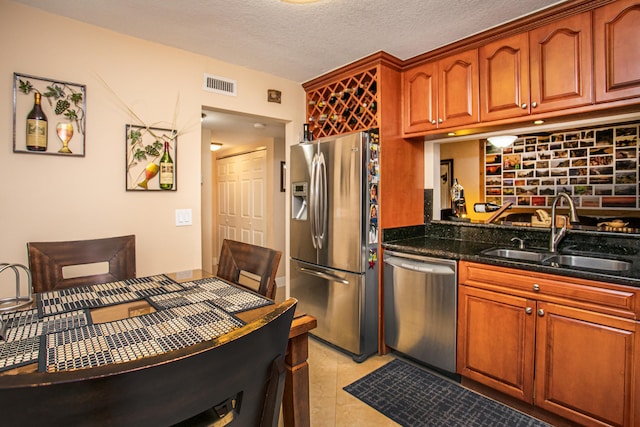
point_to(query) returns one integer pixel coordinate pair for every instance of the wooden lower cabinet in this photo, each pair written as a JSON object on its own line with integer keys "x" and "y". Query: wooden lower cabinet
{"x": 496, "y": 339}
{"x": 574, "y": 362}
{"x": 584, "y": 365}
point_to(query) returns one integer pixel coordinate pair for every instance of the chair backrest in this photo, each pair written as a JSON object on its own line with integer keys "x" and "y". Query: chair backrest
{"x": 47, "y": 260}
{"x": 238, "y": 257}
{"x": 236, "y": 379}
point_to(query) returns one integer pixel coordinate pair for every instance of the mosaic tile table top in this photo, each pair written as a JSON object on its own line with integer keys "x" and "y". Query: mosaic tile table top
{"x": 24, "y": 330}
{"x": 136, "y": 337}
{"x": 220, "y": 293}
{"x": 60, "y": 335}
{"x": 104, "y": 294}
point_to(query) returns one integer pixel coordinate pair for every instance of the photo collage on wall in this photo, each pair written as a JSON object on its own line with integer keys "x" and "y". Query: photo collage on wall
{"x": 597, "y": 167}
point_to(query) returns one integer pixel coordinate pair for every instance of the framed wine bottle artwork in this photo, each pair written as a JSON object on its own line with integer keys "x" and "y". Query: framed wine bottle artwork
{"x": 151, "y": 158}
{"x": 49, "y": 116}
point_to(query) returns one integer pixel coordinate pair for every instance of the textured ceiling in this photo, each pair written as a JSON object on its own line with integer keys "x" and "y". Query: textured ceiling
{"x": 298, "y": 42}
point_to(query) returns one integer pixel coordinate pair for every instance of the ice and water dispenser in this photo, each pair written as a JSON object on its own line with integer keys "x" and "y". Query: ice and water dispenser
{"x": 299, "y": 202}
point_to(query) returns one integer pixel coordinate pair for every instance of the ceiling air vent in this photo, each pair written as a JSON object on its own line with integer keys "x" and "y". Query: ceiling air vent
{"x": 219, "y": 85}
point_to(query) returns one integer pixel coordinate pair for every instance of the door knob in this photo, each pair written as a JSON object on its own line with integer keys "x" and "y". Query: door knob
{"x": 534, "y": 104}
{"x": 524, "y": 105}
{"x": 528, "y": 310}
{"x": 536, "y": 287}
{"x": 540, "y": 312}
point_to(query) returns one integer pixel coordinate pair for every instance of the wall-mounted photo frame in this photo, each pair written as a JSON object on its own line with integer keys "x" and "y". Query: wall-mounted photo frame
{"x": 49, "y": 116}
{"x": 148, "y": 150}
{"x": 446, "y": 181}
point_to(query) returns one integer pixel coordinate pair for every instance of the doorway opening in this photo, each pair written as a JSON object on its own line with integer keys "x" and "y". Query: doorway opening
{"x": 241, "y": 183}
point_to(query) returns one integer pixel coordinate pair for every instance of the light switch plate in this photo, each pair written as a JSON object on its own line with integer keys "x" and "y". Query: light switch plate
{"x": 183, "y": 217}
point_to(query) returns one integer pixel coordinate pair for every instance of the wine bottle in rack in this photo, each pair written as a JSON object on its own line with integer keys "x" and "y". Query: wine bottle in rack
{"x": 373, "y": 87}
{"x": 166, "y": 169}
{"x": 321, "y": 103}
{"x": 374, "y": 107}
{"x": 360, "y": 90}
{"x": 36, "y": 126}
{"x": 346, "y": 94}
{"x": 333, "y": 98}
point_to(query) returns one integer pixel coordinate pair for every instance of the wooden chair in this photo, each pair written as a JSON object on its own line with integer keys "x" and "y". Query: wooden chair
{"x": 47, "y": 260}
{"x": 238, "y": 258}
{"x": 236, "y": 379}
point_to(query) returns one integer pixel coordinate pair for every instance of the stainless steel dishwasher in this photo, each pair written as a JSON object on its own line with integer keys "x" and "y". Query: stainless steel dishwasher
{"x": 420, "y": 308}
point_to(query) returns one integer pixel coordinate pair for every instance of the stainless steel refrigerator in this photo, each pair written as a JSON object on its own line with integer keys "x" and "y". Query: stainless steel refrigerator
{"x": 334, "y": 236}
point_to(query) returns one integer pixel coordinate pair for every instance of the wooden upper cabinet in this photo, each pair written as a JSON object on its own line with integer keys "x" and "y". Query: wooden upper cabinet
{"x": 561, "y": 60}
{"x": 617, "y": 50}
{"x": 442, "y": 93}
{"x": 420, "y": 98}
{"x": 458, "y": 89}
{"x": 504, "y": 78}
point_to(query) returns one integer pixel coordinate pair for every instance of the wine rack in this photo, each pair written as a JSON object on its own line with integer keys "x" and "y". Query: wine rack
{"x": 346, "y": 105}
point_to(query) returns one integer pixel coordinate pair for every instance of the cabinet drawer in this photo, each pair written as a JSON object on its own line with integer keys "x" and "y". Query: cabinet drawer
{"x": 601, "y": 297}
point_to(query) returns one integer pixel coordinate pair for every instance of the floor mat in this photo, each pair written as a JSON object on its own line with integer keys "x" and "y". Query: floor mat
{"x": 412, "y": 397}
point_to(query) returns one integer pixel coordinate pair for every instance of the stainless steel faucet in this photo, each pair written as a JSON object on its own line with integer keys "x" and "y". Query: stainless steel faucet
{"x": 556, "y": 237}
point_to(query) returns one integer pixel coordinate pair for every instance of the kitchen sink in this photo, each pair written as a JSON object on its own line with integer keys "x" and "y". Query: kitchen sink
{"x": 592, "y": 263}
{"x": 517, "y": 254}
{"x": 564, "y": 260}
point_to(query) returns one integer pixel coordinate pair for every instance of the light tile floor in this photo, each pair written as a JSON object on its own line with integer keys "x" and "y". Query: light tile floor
{"x": 331, "y": 406}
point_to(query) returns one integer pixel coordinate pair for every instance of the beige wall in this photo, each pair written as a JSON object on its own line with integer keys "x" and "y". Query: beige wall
{"x": 466, "y": 167}
{"x": 61, "y": 198}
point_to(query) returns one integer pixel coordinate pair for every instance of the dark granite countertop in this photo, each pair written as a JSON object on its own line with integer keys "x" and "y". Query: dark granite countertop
{"x": 443, "y": 242}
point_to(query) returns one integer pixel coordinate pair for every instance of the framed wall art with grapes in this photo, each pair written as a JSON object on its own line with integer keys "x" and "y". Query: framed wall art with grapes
{"x": 151, "y": 158}
{"x": 49, "y": 116}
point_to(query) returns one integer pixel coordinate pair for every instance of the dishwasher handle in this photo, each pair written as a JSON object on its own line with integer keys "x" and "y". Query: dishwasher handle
{"x": 420, "y": 266}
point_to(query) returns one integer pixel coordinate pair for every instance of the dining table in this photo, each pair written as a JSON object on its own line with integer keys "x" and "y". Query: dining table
{"x": 115, "y": 308}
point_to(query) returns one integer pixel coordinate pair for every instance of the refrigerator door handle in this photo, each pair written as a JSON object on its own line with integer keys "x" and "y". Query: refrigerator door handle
{"x": 323, "y": 275}
{"x": 312, "y": 201}
{"x": 322, "y": 202}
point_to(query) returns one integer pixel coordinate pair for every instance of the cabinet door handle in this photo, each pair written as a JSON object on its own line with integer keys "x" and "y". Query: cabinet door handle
{"x": 540, "y": 312}
{"x": 534, "y": 104}
{"x": 440, "y": 120}
{"x": 524, "y": 105}
{"x": 528, "y": 310}
{"x": 536, "y": 287}
{"x": 433, "y": 122}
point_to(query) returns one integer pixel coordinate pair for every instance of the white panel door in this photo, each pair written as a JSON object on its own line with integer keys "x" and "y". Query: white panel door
{"x": 242, "y": 188}
{"x": 228, "y": 217}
